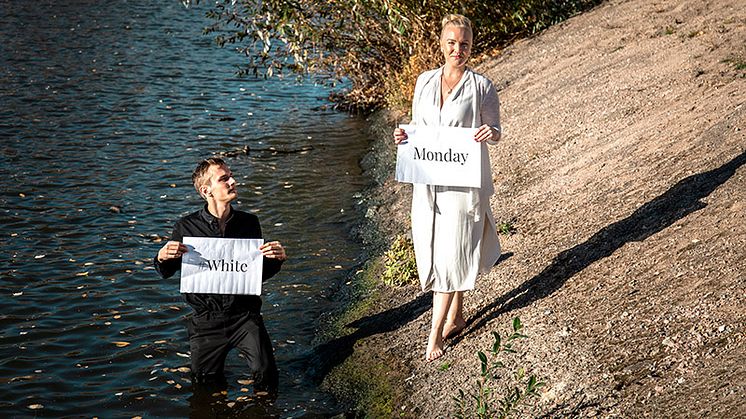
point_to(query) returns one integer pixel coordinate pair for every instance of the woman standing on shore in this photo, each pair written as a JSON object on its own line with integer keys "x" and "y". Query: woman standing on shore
{"x": 453, "y": 228}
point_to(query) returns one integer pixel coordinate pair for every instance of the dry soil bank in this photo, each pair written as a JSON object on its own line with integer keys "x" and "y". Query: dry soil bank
{"x": 622, "y": 167}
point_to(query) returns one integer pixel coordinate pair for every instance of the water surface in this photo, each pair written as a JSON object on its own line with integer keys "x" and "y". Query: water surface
{"x": 106, "y": 108}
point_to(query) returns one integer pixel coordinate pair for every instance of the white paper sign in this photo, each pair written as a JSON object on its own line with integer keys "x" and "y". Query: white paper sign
{"x": 433, "y": 155}
{"x": 222, "y": 266}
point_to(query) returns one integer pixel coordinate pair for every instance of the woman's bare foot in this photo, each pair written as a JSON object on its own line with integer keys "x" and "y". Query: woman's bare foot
{"x": 452, "y": 329}
{"x": 434, "y": 346}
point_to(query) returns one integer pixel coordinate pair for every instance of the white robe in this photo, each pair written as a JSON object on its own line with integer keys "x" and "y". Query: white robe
{"x": 453, "y": 228}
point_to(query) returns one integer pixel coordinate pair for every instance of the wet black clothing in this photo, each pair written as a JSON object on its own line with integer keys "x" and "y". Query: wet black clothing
{"x": 222, "y": 322}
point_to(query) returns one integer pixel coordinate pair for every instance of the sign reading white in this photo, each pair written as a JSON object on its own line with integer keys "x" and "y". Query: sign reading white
{"x": 222, "y": 266}
{"x": 446, "y": 156}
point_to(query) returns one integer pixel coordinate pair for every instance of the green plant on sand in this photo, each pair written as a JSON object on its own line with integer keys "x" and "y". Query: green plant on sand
{"x": 400, "y": 267}
{"x": 486, "y": 398}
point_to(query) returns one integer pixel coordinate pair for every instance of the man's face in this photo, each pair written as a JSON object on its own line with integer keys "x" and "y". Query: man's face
{"x": 222, "y": 186}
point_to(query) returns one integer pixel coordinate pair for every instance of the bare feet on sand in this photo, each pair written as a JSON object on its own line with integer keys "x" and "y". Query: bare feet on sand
{"x": 434, "y": 347}
{"x": 452, "y": 329}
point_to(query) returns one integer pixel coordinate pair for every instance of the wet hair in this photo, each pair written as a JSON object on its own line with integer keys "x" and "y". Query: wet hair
{"x": 459, "y": 21}
{"x": 198, "y": 176}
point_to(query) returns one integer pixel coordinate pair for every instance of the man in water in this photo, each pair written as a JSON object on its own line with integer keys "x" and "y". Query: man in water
{"x": 222, "y": 322}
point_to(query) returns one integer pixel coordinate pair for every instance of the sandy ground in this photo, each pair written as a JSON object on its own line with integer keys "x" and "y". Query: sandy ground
{"x": 622, "y": 168}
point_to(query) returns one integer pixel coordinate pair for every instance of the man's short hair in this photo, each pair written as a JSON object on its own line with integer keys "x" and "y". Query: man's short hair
{"x": 198, "y": 176}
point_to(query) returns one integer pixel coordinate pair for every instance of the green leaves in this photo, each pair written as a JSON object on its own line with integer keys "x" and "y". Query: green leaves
{"x": 379, "y": 46}
{"x": 484, "y": 400}
{"x": 517, "y": 324}
{"x": 400, "y": 267}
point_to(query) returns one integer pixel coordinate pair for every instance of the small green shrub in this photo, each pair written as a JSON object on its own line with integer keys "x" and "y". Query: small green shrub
{"x": 737, "y": 63}
{"x": 506, "y": 228}
{"x": 485, "y": 399}
{"x": 400, "y": 267}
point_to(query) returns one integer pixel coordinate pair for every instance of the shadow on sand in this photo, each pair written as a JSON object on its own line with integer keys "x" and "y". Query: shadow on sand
{"x": 679, "y": 201}
{"x": 330, "y": 354}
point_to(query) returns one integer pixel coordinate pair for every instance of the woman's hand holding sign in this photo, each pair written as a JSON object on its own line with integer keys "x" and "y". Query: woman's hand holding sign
{"x": 487, "y": 133}
{"x": 273, "y": 250}
{"x": 399, "y": 135}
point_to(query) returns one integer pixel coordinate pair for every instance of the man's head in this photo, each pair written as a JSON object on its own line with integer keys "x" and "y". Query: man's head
{"x": 213, "y": 180}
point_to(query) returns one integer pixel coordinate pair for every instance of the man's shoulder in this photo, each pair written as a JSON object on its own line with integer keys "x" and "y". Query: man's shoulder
{"x": 240, "y": 213}
{"x": 190, "y": 217}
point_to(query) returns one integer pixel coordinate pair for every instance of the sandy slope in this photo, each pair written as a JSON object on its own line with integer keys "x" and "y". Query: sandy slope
{"x": 623, "y": 169}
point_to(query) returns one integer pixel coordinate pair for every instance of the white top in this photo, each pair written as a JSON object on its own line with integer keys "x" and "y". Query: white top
{"x": 472, "y": 103}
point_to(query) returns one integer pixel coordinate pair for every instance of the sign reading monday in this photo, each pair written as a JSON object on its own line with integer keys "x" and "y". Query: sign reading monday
{"x": 446, "y": 156}
{"x": 222, "y": 266}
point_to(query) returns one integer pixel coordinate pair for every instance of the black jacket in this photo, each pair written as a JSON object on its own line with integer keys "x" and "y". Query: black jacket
{"x": 240, "y": 225}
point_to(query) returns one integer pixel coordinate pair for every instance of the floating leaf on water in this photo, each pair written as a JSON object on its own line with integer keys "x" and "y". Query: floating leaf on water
{"x": 246, "y": 382}
{"x": 39, "y": 256}
{"x": 278, "y": 224}
{"x": 153, "y": 378}
{"x": 22, "y": 195}
{"x": 13, "y": 234}
{"x": 36, "y": 406}
{"x": 148, "y": 356}
{"x": 82, "y": 273}
{"x": 88, "y": 264}
{"x": 174, "y": 308}
{"x": 121, "y": 344}
{"x": 171, "y": 382}
{"x": 244, "y": 390}
{"x": 17, "y": 294}
{"x": 288, "y": 186}
{"x": 182, "y": 355}
{"x": 262, "y": 393}
{"x": 160, "y": 341}
{"x": 183, "y": 369}
{"x": 22, "y": 378}
{"x": 177, "y": 385}
{"x": 173, "y": 185}
{"x": 118, "y": 316}
{"x": 118, "y": 394}
{"x": 337, "y": 266}
{"x": 290, "y": 341}
{"x": 230, "y": 404}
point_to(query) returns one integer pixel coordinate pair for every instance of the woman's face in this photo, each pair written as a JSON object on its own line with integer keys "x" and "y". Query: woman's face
{"x": 455, "y": 42}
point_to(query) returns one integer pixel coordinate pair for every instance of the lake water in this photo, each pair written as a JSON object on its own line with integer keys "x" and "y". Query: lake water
{"x": 106, "y": 109}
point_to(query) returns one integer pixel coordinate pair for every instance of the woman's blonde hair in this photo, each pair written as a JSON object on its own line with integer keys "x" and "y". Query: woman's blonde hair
{"x": 459, "y": 21}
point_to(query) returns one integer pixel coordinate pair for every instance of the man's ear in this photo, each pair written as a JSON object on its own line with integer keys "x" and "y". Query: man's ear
{"x": 204, "y": 190}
